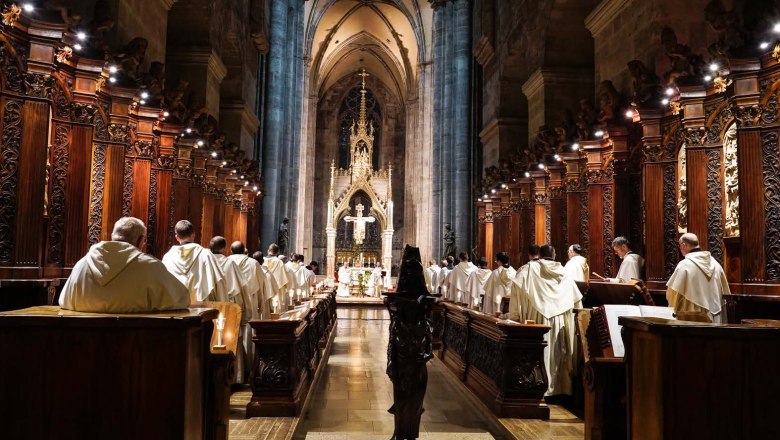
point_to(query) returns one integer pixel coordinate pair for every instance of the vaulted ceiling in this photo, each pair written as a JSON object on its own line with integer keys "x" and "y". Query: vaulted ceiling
{"x": 389, "y": 38}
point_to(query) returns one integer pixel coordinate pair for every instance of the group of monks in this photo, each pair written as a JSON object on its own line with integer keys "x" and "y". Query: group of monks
{"x": 378, "y": 281}
{"x": 117, "y": 277}
{"x": 544, "y": 291}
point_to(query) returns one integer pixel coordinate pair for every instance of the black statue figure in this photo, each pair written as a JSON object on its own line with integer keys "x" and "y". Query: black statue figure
{"x": 283, "y": 239}
{"x": 410, "y": 345}
{"x": 449, "y": 241}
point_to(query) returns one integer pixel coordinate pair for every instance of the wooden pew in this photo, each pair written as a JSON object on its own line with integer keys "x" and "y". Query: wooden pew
{"x": 20, "y": 294}
{"x": 288, "y": 353}
{"x": 599, "y": 293}
{"x": 67, "y": 374}
{"x": 689, "y": 380}
{"x": 740, "y": 307}
{"x": 501, "y": 362}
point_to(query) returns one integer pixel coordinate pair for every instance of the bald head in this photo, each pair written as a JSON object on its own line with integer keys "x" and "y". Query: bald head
{"x": 237, "y": 248}
{"x": 688, "y": 242}
{"x": 129, "y": 230}
{"x": 217, "y": 244}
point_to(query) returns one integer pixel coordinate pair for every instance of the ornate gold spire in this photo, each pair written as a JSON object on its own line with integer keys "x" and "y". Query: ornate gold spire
{"x": 361, "y": 138}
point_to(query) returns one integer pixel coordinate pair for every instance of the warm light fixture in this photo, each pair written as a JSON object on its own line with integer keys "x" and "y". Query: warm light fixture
{"x": 166, "y": 114}
{"x": 144, "y": 95}
{"x": 142, "y": 102}
{"x": 188, "y": 130}
{"x": 503, "y": 185}
{"x": 77, "y": 46}
{"x": 575, "y": 146}
{"x": 527, "y": 174}
{"x": 224, "y": 162}
{"x": 254, "y": 187}
{"x": 246, "y": 183}
{"x": 540, "y": 166}
{"x": 764, "y": 45}
{"x": 713, "y": 67}
{"x": 81, "y": 36}
{"x": 214, "y": 154}
{"x": 557, "y": 157}
{"x": 707, "y": 78}
{"x": 777, "y": 28}
{"x": 669, "y": 91}
{"x": 200, "y": 143}
{"x": 599, "y": 133}
{"x": 665, "y": 101}
{"x": 492, "y": 191}
{"x": 28, "y": 7}
{"x": 113, "y": 69}
{"x": 112, "y": 79}
{"x": 629, "y": 114}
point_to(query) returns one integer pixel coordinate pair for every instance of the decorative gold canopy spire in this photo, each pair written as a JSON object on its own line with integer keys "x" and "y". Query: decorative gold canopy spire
{"x": 361, "y": 138}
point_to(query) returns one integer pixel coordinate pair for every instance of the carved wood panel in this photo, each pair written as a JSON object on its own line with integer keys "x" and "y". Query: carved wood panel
{"x": 113, "y": 191}
{"x": 9, "y": 165}
{"x": 769, "y": 142}
{"x": 77, "y": 232}
{"x": 151, "y": 224}
{"x": 751, "y": 201}
{"x": 669, "y": 220}
{"x": 96, "y": 198}
{"x": 609, "y": 226}
{"x": 57, "y": 187}
{"x": 715, "y": 212}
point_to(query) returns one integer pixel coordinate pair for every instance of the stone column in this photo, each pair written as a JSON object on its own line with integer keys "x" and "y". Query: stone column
{"x": 550, "y": 91}
{"x": 461, "y": 130}
{"x": 203, "y": 69}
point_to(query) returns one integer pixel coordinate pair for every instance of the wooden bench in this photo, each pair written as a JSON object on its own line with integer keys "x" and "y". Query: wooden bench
{"x": 691, "y": 380}
{"x": 23, "y": 293}
{"x": 500, "y": 362}
{"x": 84, "y": 375}
{"x": 288, "y": 353}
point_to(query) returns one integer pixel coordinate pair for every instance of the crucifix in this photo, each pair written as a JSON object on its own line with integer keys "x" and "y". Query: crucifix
{"x": 359, "y": 233}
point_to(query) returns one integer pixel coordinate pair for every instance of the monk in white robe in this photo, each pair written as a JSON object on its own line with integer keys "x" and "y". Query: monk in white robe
{"x": 253, "y": 280}
{"x": 376, "y": 285}
{"x": 457, "y": 280}
{"x": 698, "y": 282}
{"x": 270, "y": 287}
{"x": 277, "y": 271}
{"x": 577, "y": 266}
{"x": 440, "y": 283}
{"x": 116, "y": 277}
{"x": 517, "y": 307}
{"x": 632, "y": 265}
{"x": 345, "y": 279}
{"x": 237, "y": 293}
{"x": 300, "y": 275}
{"x": 548, "y": 297}
{"x": 498, "y": 284}
{"x": 476, "y": 283}
{"x": 430, "y": 276}
{"x": 195, "y": 266}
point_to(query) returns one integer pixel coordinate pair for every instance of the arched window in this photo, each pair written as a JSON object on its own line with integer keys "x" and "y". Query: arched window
{"x": 350, "y": 112}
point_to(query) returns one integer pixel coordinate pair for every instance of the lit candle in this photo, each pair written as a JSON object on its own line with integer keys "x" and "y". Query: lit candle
{"x": 220, "y": 328}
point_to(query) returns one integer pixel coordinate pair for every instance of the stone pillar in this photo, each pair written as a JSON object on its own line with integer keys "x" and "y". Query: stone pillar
{"x": 500, "y": 136}
{"x": 143, "y": 18}
{"x": 461, "y": 130}
{"x": 203, "y": 69}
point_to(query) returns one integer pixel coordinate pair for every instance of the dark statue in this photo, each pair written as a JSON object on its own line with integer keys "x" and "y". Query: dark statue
{"x": 449, "y": 241}
{"x": 283, "y": 239}
{"x": 410, "y": 345}
{"x": 684, "y": 63}
{"x": 647, "y": 90}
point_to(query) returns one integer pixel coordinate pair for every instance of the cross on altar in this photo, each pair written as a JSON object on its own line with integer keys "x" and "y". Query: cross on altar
{"x": 359, "y": 234}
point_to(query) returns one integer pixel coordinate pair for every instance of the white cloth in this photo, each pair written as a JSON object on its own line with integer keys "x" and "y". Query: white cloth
{"x": 630, "y": 268}
{"x": 232, "y": 278}
{"x": 547, "y": 296}
{"x": 298, "y": 277}
{"x": 116, "y": 277}
{"x": 700, "y": 279}
{"x": 254, "y": 281}
{"x": 430, "y": 277}
{"x": 239, "y": 293}
{"x": 278, "y": 272}
{"x": 198, "y": 270}
{"x": 345, "y": 279}
{"x": 377, "y": 283}
{"x": 270, "y": 289}
{"x": 577, "y": 268}
{"x": 476, "y": 285}
{"x": 440, "y": 283}
{"x": 457, "y": 281}
{"x": 497, "y": 286}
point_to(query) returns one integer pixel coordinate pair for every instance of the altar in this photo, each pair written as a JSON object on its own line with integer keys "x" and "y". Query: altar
{"x": 362, "y": 282}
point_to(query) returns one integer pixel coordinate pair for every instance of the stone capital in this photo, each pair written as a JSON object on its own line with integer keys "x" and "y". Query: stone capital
{"x": 200, "y": 56}
{"x": 604, "y": 14}
{"x": 243, "y": 111}
{"x": 547, "y": 76}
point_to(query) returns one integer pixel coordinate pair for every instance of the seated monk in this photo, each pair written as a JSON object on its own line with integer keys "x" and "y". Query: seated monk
{"x": 116, "y": 277}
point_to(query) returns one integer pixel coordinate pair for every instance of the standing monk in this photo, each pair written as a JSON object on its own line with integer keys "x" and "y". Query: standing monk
{"x": 276, "y": 268}
{"x": 195, "y": 267}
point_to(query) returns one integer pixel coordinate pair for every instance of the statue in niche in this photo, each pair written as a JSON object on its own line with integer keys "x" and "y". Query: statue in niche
{"x": 101, "y": 25}
{"x": 682, "y": 192}
{"x": 545, "y": 142}
{"x": 731, "y": 181}
{"x": 153, "y": 82}
{"x": 449, "y": 241}
{"x": 684, "y": 62}
{"x": 609, "y": 101}
{"x": 505, "y": 170}
{"x": 567, "y": 130}
{"x": 647, "y": 91}
{"x": 129, "y": 60}
{"x": 174, "y": 102}
{"x": 586, "y": 119}
{"x": 732, "y": 38}
{"x": 410, "y": 345}
{"x": 283, "y": 238}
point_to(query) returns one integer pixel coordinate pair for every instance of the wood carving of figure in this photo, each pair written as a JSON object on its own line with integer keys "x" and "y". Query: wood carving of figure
{"x": 567, "y": 130}
{"x": 545, "y": 140}
{"x": 727, "y": 26}
{"x": 609, "y": 101}
{"x": 731, "y": 182}
{"x": 410, "y": 345}
{"x": 153, "y": 82}
{"x": 682, "y": 192}
{"x": 586, "y": 119}
{"x": 283, "y": 238}
{"x": 449, "y": 241}
{"x": 129, "y": 60}
{"x": 684, "y": 62}
{"x": 646, "y": 88}
{"x": 174, "y": 102}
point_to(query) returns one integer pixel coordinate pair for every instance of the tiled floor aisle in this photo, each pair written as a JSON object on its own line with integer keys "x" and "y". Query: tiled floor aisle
{"x": 353, "y": 396}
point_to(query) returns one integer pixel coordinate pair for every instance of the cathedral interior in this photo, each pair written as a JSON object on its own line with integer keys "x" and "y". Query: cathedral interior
{"x": 342, "y": 130}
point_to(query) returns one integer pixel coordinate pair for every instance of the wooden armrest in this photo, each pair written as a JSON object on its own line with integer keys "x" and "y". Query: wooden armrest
{"x": 232, "y": 314}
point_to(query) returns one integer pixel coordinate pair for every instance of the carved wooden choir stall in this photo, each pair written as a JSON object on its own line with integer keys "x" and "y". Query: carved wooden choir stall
{"x": 79, "y": 151}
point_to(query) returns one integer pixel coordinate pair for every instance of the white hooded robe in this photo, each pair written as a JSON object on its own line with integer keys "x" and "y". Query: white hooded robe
{"x": 198, "y": 270}
{"x": 698, "y": 285}
{"x": 497, "y": 286}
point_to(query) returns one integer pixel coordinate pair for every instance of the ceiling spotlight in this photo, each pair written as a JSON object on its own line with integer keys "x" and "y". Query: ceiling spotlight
{"x": 665, "y": 101}
{"x": 81, "y": 36}
{"x": 707, "y": 78}
{"x": 113, "y": 69}
{"x": 492, "y": 191}
{"x": 669, "y": 91}
{"x": 166, "y": 114}
{"x": 503, "y": 185}
{"x": 630, "y": 114}
{"x": 527, "y": 174}
{"x": 224, "y": 162}
{"x": 540, "y": 166}
{"x": 713, "y": 67}
{"x": 776, "y": 28}
{"x": 77, "y": 46}
{"x": 200, "y": 143}
{"x": 112, "y": 79}
{"x": 254, "y": 187}
{"x": 259, "y": 193}
{"x": 233, "y": 172}
{"x": 188, "y": 130}
{"x": 575, "y": 146}
{"x": 242, "y": 176}
{"x": 214, "y": 154}
{"x": 144, "y": 95}
{"x": 28, "y": 7}
{"x": 557, "y": 157}
{"x": 599, "y": 133}
{"x": 763, "y": 45}
{"x": 142, "y": 102}
{"x": 485, "y": 196}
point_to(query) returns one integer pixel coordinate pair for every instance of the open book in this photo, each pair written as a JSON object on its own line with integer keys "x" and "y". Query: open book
{"x": 605, "y": 319}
